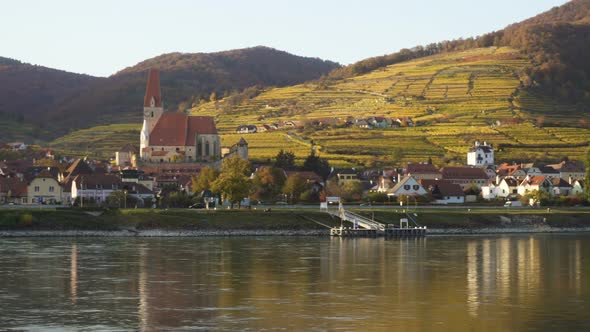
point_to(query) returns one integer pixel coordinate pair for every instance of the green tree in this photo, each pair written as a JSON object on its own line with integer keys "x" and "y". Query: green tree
{"x": 204, "y": 180}
{"x": 318, "y": 165}
{"x": 285, "y": 160}
{"x": 587, "y": 177}
{"x": 294, "y": 186}
{"x": 233, "y": 183}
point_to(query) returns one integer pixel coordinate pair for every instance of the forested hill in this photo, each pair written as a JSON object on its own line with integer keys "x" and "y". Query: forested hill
{"x": 557, "y": 42}
{"x": 61, "y": 101}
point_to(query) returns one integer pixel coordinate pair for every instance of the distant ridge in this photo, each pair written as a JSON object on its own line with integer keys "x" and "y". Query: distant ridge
{"x": 65, "y": 101}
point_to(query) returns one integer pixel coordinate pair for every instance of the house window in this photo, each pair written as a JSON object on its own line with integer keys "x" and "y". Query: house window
{"x": 206, "y": 148}
{"x": 407, "y": 187}
{"x": 152, "y": 114}
{"x": 416, "y": 187}
{"x": 51, "y": 189}
{"x": 36, "y": 189}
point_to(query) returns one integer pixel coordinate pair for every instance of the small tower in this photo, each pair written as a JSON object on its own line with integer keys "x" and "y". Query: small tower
{"x": 152, "y": 101}
{"x": 243, "y": 149}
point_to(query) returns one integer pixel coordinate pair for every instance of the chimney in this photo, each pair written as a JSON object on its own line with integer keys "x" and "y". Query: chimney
{"x": 497, "y": 179}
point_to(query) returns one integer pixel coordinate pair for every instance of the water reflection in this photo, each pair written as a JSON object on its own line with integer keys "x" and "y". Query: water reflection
{"x": 436, "y": 283}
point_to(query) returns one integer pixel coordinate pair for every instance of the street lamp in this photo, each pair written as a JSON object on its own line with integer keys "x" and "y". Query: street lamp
{"x": 125, "y": 194}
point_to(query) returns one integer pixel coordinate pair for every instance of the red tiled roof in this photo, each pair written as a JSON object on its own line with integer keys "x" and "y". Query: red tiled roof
{"x": 153, "y": 89}
{"x": 179, "y": 129}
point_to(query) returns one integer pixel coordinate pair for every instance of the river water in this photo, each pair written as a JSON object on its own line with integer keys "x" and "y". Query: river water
{"x": 466, "y": 283}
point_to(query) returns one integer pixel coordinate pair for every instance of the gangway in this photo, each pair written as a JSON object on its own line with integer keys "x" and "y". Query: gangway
{"x": 363, "y": 226}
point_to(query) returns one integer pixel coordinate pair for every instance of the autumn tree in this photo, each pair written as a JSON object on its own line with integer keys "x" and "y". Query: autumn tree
{"x": 268, "y": 182}
{"x": 234, "y": 181}
{"x": 204, "y": 180}
{"x": 587, "y": 178}
{"x": 294, "y": 186}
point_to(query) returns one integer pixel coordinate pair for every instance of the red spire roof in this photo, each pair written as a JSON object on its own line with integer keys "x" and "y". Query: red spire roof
{"x": 152, "y": 89}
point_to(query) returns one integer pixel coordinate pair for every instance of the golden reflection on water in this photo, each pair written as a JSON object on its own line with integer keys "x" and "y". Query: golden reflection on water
{"x": 436, "y": 283}
{"x": 74, "y": 273}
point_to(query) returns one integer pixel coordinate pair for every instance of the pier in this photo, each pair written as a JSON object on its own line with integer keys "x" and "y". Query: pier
{"x": 365, "y": 227}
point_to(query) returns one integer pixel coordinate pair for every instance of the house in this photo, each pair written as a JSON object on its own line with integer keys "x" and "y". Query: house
{"x": 95, "y": 188}
{"x": 535, "y": 183}
{"x": 444, "y": 192}
{"x": 17, "y": 146}
{"x": 342, "y": 175}
{"x": 465, "y": 176}
{"x": 515, "y": 171}
{"x": 480, "y": 155}
{"x": 127, "y": 156}
{"x": 501, "y": 188}
{"x": 570, "y": 169}
{"x": 361, "y": 123}
{"x": 262, "y": 128}
{"x": 561, "y": 187}
{"x": 408, "y": 186}
{"x": 246, "y": 129}
{"x": 422, "y": 171}
{"x": 174, "y": 136}
{"x": 44, "y": 189}
{"x": 577, "y": 187}
{"x": 13, "y": 190}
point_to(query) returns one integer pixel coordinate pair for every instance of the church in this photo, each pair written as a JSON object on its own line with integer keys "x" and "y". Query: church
{"x": 172, "y": 137}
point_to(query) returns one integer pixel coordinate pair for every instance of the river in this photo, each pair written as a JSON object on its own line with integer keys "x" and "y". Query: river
{"x": 438, "y": 283}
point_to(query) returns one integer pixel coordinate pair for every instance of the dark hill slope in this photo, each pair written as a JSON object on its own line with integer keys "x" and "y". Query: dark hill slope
{"x": 64, "y": 101}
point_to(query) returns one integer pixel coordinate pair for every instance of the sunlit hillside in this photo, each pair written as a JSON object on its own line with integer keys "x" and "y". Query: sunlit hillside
{"x": 454, "y": 99}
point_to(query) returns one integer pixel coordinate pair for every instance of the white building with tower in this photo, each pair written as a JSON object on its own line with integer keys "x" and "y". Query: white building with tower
{"x": 480, "y": 155}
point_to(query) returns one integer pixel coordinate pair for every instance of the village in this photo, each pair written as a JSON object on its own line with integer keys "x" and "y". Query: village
{"x": 180, "y": 163}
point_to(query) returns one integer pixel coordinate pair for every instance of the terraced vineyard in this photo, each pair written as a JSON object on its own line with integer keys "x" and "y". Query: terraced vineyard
{"x": 454, "y": 99}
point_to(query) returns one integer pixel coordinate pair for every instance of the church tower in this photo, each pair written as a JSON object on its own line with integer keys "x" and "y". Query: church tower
{"x": 152, "y": 101}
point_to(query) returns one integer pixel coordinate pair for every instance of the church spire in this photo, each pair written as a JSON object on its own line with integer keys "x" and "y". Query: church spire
{"x": 153, "y": 97}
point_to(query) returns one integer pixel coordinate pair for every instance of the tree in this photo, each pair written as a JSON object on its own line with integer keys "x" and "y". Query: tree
{"x": 587, "y": 177}
{"x": 294, "y": 187}
{"x": 268, "y": 182}
{"x": 318, "y": 165}
{"x": 213, "y": 96}
{"x": 233, "y": 183}
{"x": 285, "y": 160}
{"x": 204, "y": 180}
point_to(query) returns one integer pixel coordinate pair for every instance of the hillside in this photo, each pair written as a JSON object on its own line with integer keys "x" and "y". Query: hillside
{"x": 454, "y": 99}
{"x": 43, "y": 97}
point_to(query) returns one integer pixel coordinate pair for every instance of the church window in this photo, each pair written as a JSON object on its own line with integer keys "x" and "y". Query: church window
{"x": 206, "y": 148}
{"x": 177, "y": 149}
{"x": 152, "y": 114}
{"x": 199, "y": 148}
{"x": 162, "y": 149}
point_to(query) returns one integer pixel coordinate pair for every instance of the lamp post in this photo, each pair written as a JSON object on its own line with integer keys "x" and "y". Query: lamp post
{"x": 125, "y": 194}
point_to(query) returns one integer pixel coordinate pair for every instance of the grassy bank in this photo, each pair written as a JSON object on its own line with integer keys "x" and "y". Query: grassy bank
{"x": 296, "y": 219}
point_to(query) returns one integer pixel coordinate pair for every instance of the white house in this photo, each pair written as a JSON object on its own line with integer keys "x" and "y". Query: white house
{"x": 577, "y": 187}
{"x": 408, "y": 186}
{"x": 480, "y": 155}
{"x": 500, "y": 188}
{"x": 532, "y": 183}
{"x": 95, "y": 187}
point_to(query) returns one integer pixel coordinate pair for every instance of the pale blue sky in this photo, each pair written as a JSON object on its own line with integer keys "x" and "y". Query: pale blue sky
{"x": 102, "y": 37}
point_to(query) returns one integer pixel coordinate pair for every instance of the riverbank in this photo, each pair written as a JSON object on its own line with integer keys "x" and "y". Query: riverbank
{"x": 284, "y": 222}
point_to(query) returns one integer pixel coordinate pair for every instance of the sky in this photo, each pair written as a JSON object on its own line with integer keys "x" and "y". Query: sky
{"x": 101, "y": 37}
